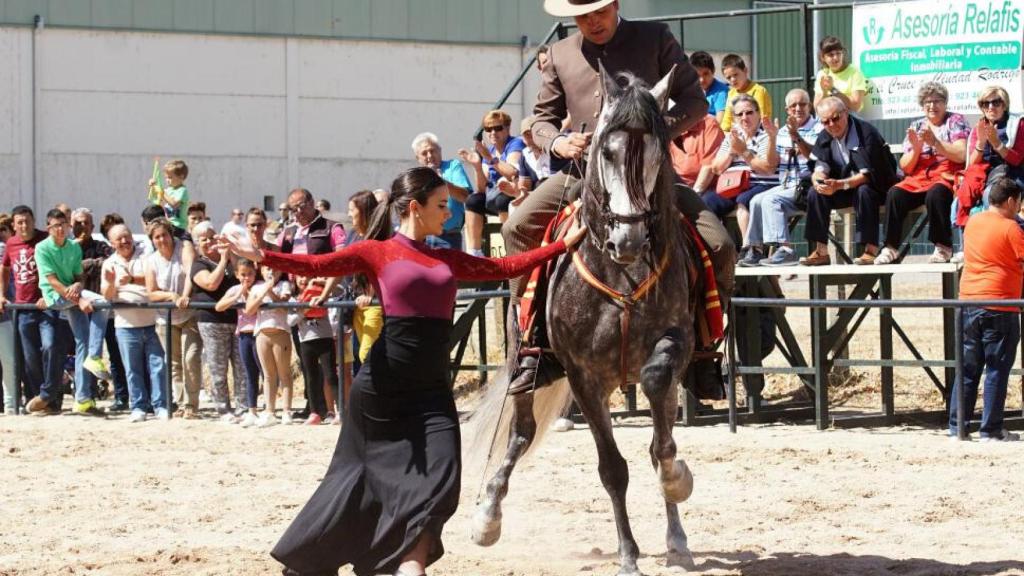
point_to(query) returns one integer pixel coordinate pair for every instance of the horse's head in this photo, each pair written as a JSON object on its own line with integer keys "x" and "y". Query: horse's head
{"x": 630, "y": 146}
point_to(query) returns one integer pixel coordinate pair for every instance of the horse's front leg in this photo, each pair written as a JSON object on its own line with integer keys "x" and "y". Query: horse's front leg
{"x": 660, "y": 385}
{"x": 487, "y": 520}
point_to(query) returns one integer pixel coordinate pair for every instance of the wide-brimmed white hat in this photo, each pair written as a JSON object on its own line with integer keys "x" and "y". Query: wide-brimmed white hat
{"x": 570, "y": 8}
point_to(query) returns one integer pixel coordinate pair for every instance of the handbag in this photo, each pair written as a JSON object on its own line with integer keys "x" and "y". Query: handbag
{"x": 732, "y": 182}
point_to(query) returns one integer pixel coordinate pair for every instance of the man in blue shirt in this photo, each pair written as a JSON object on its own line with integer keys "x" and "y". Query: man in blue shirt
{"x": 428, "y": 153}
{"x": 715, "y": 90}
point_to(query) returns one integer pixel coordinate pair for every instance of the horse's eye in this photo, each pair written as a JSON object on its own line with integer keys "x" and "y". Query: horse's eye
{"x": 608, "y": 154}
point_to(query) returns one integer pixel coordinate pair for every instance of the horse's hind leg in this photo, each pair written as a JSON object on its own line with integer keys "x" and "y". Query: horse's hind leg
{"x": 487, "y": 520}
{"x": 659, "y": 382}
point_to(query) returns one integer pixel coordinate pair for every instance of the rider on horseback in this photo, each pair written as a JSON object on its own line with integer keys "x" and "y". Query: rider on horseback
{"x": 572, "y": 87}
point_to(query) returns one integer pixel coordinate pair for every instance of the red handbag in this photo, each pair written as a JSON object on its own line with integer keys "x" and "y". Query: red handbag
{"x": 732, "y": 182}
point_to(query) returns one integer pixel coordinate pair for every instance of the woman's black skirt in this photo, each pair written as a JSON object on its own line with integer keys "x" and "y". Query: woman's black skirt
{"x": 396, "y": 469}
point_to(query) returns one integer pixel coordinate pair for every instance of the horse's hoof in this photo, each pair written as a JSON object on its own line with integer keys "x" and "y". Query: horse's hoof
{"x": 677, "y": 486}
{"x": 486, "y": 529}
{"x": 562, "y": 425}
{"x": 680, "y": 559}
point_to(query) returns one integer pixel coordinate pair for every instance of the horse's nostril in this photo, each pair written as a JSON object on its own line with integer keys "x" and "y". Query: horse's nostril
{"x": 609, "y": 246}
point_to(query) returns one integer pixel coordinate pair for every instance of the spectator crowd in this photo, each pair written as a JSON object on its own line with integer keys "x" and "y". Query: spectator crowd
{"x": 742, "y": 161}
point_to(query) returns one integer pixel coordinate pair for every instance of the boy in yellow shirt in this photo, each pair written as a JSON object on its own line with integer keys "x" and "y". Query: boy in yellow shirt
{"x": 734, "y": 69}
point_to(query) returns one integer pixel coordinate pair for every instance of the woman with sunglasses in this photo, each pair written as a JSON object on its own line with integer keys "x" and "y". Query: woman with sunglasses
{"x": 503, "y": 158}
{"x": 995, "y": 149}
{"x": 933, "y": 151}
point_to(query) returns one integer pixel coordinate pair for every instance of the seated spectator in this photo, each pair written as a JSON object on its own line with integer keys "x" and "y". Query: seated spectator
{"x": 428, "y": 153}
{"x": 59, "y": 261}
{"x": 995, "y": 150}
{"x": 172, "y": 198}
{"x": 750, "y": 147}
{"x": 124, "y": 279}
{"x": 11, "y": 383}
{"x": 735, "y": 71}
{"x": 212, "y": 276}
{"x": 933, "y": 152}
{"x": 196, "y": 214}
{"x": 536, "y": 162}
{"x": 542, "y": 57}
{"x": 503, "y": 155}
{"x": 167, "y": 280}
{"x": 696, "y": 148}
{"x": 43, "y": 350}
{"x": 993, "y": 263}
{"x": 770, "y": 211}
{"x": 716, "y": 91}
{"x": 852, "y": 167}
{"x": 839, "y": 78}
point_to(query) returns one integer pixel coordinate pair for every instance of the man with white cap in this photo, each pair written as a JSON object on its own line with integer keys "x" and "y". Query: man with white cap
{"x": 571, "y": 86}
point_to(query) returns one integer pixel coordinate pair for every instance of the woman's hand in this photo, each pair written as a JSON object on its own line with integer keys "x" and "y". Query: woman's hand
{"x": 737, "y": 144}
{"x": 181, "y": 302}
{"x": 928, "y": 137}
{"x": 241, "y": 246}
{"x": 914, "y": 138}
{"x": 772, "y": 128}
{"x": 363, "y": 300}
{"x": 576, "y": 231}
{"x": 468, "y": 157}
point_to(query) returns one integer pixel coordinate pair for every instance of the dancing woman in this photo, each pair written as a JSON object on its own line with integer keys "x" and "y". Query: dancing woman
{"x": 394, "y": 479}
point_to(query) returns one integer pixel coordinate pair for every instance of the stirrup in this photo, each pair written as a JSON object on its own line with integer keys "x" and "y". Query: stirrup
{"x": 525, "y": 377}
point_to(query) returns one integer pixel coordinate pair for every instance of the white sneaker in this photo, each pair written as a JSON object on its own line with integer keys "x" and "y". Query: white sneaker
{"x": 230, "y": 418}
{"x": 162, "y": 414}
{"x": 249, "y": 420}
{"x": 957, "y": 258}
{"x": 886, "y": 256}
{"x": 268, "y": 419}
{"x": 286, "y": 417}
{"x": 1003, "y": 436}
{"x": 563, "y": 425}
{"x": 941, "y": 255}
{"x": 137, "y": 416}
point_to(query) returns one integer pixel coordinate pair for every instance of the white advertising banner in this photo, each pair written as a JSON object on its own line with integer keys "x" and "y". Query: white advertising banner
{"x": 964, "y": 44}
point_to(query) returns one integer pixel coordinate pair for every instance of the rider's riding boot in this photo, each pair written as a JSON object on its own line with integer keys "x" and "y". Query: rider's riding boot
{"x": 524, "y": 379}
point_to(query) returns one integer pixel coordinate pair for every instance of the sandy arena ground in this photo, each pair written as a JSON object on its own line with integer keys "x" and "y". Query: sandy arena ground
{"x": 86, "y": 496}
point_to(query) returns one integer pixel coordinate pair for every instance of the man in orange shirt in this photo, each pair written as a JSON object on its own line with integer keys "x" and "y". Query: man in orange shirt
{"x": 993, "y": 259}
{"x": 695, "y": 148}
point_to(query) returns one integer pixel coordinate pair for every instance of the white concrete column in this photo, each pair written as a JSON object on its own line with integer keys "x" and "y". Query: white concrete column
{"x": 292, "y": 120}
{"x": 26, "y": 118}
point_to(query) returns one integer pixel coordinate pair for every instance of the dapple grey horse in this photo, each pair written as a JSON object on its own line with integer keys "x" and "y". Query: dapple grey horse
{"x": 618, "y": 311}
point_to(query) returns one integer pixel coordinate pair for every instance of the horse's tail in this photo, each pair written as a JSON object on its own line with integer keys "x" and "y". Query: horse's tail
{"x": 488, "y": 428}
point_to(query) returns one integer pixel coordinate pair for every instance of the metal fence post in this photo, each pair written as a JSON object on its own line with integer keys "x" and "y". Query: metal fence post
{"x": 168, "y": 389}
{"x": 18, "y": 362}
{"x": 808, "y": 20}
{"x": 961, "y": 398}
{"x": 730, "y": 350}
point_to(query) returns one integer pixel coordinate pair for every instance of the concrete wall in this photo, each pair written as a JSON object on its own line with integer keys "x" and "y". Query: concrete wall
{"x": 252, "y": 116}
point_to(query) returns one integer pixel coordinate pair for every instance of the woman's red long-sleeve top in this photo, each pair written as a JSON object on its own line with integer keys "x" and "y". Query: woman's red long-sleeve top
{"x": 412, "y": 279}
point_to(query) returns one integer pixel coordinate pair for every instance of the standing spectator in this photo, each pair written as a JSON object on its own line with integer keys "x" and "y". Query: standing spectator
{"x": 256, "y": 228}
{"x": 715, "y": 90}
{"x": 94, "y": 253}
{"x": 933, "y": 151}
{"x": 285, "y": 212}
{"x": 771, "y": 210}
{"x": 323, "y": 205}
{"x": 428, "y": 153}
{"x": 274, "y": 345}
{"x": 11, "y": 380}
{"x": 124, "y": 279}
{"x": 236, "y": 225}
{"x": 503, "y": 155}
{"x": 735, "y": 71}
{"x": 993, "y": 260}
{"x": 211, "y": 278}
{"x": 167, "y": 281}
{"x": 59, "y": 262}
{"x": 852, "y": 167}
{"x": 696, "y": 148}
{"x": 317, "y": 352}
{"x": 245, "y": 331}
{"x": 173, "y": 198}
{"x": 196, "y": 214}
{"x": 749, "y": 147}
{"x": 367, "y": 319}
{"x": 42, "y": 351}
{"x": 311, "y": 233}
{"x": 839, "y": 78}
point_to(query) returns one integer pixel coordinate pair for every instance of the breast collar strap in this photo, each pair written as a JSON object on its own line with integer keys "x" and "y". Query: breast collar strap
{"x": 626, "y": 301}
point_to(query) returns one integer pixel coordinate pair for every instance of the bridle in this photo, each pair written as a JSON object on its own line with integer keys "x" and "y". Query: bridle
{"x": 612, "y": 219}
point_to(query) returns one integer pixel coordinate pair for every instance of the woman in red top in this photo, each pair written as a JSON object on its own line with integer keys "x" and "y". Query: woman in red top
{"x": 394, "y": 479}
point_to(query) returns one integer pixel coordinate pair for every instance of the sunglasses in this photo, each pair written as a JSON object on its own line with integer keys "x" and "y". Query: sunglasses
{"x": 833, "y": 120}
{"x": 493, "y": 128}
{"x": 993, "y": 103}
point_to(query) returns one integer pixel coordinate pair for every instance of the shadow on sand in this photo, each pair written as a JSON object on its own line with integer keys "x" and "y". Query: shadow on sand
{"x": 800, "y": 564}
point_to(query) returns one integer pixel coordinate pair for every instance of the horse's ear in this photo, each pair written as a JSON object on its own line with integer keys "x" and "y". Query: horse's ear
{"x": 612, "y": 91}
{"x": 661, "y": 89}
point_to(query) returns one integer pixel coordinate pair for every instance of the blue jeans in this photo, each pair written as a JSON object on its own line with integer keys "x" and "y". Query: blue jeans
{"x": 770, "y": 212}
{"x": 141, "y": 349}
{"x": 251, "y": 367}
{"x": 116, "y": 365}
{"x": 451, "y": 240}
{"x": 990, "y": 344}
{"x": 722, "y": 207}
{"x": 89, "y": 330}
{"x": 43, "y": 354}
